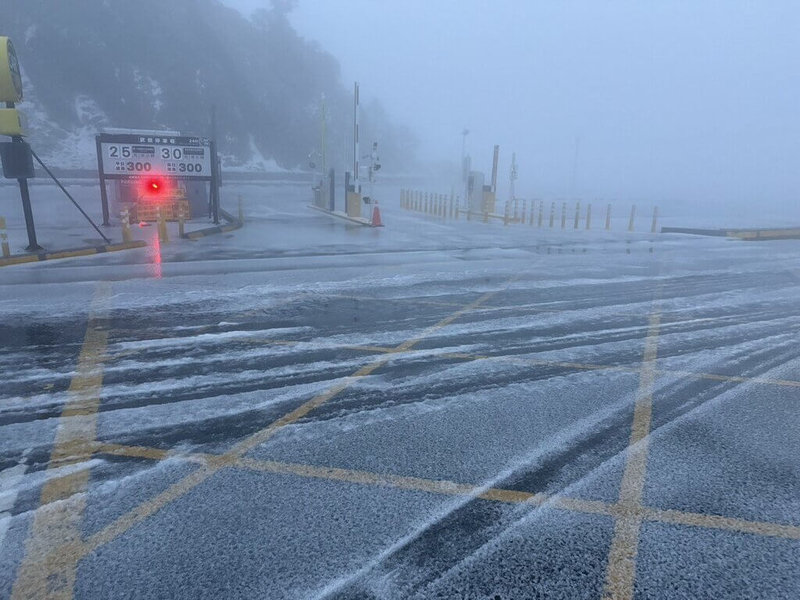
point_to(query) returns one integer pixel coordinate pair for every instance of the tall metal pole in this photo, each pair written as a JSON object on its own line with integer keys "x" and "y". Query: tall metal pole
{"x": 33, "y": 244}
{"x": 513, "y": 177}
{"x": 323, "y": 142}
{"x": 464, "y": 173}
{"x": 215, "y": 175}
{"x": 494, "y": 168}
{"x": 355, "y": 137}
{"x": 102, "y": 176}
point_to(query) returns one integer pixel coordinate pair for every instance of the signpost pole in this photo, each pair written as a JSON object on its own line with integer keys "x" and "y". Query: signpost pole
{"x": 33, "y": 245}
{"x": 103, "y": 190}
{"x": 214, "y": 183}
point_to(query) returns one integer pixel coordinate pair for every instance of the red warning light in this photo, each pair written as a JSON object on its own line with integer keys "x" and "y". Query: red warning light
{"x": 154, "y": 187}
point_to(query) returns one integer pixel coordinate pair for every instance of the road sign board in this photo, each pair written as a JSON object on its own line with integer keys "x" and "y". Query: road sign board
{"x": 123, "y": 156}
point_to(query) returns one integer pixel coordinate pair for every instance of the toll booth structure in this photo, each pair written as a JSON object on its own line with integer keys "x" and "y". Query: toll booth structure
{"x": 481, "y": 197}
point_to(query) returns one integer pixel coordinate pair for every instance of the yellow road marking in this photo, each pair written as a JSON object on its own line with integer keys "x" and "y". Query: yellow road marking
{"x": 70, "y": 554}
{"x": 132, "y": 451}
{"x": 621, "y": 571}
{"x": 451, "y": 488}
{"x": 375, "y": 349}
{"x": 46, "y": 573}
{"x": 761, "y": 528}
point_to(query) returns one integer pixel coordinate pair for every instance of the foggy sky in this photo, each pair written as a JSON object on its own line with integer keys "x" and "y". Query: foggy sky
{"x": 656, "y": 100}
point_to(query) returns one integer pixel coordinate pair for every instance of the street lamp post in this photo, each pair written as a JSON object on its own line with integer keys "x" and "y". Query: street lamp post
{"x": 464, "y": 167}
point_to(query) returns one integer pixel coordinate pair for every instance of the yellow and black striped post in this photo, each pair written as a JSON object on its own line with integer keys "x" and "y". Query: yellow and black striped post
{"x": 552, "y": 213}
{"x": 563, "y": 215}
{"x": 577, "y": 214}
{"x": 541, "y": 213}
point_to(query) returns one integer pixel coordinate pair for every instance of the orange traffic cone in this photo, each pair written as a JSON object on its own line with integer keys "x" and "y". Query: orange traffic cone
{"x": 376, "y": 217}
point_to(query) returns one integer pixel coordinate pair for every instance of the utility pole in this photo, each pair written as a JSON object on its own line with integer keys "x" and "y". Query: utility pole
{"x": 17, "y": 157}
{"x": 465, "y": 167}
{"x": 355, "y": 137}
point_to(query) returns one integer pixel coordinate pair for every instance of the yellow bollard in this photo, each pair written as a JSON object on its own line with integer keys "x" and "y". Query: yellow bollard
{"x": 589, "y": 216}
{"x": 162, "y": 227}
{"x": 505, "y": 214}
{"x": 541, "y": 213}
{"x": 126, "y": 227}
{"x": 577, "y": 213}
{"x": 4, "y": 238}
{"x": 608, "y": 217}
{"x": 427, "y": 204}
{"x": 552, "y": 213}
{"x": 563, "y": 215}
{"x": 655, "y": 220}
{"x": 524, "y": 210}
{"x": 633, "y": 216}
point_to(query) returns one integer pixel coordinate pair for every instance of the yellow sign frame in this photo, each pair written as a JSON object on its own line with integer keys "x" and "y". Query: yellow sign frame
{"x": 10, "y": 72}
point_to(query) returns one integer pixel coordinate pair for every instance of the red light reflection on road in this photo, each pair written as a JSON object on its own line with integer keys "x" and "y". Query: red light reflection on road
{"x": 155, "y": 256}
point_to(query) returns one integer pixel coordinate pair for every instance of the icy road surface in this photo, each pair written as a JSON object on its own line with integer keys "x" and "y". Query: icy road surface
{"x": 437, "y": 409}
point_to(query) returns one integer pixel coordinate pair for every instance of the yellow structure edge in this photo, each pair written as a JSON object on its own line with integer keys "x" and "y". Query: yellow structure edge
{"x": 42, "y": 256}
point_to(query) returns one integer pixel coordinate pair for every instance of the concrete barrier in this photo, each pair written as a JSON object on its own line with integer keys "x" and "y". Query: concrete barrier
{"x": 74, "y": 252}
